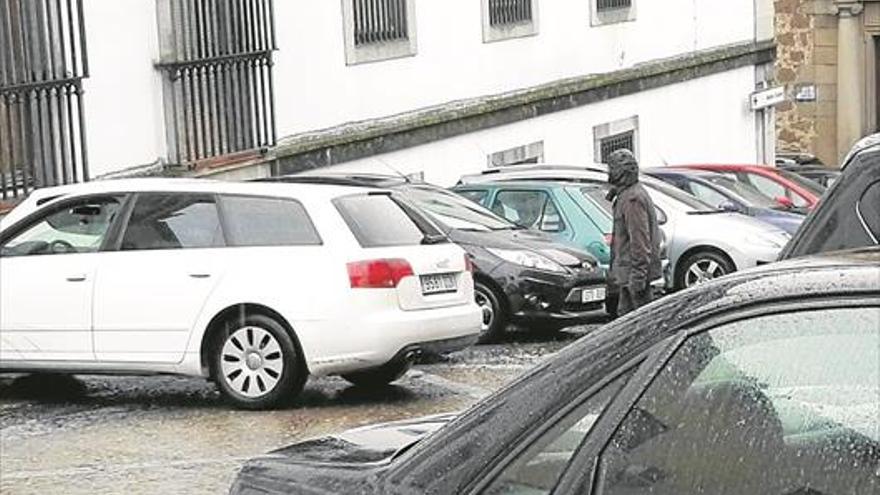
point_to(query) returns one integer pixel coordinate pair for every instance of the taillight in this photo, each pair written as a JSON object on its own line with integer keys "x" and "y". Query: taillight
{"x": 378, "y": 274}
{"x": 609, "y": 238}
{"x": 468, "y": 264}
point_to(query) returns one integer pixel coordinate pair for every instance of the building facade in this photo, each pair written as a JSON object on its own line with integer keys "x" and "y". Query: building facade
{"x": 828, "y": 60}
{"x": 249, "y": 88}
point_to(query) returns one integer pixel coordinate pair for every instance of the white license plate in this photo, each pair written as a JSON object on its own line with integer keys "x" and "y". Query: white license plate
{"x": 593, "y": 295}
{"x": 438, "y": 284}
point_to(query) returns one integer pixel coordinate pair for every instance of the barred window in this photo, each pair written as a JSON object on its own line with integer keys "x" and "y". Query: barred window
{"x": 217, "y": 61}
{"x": 42, "y": 63}
{"x": 624, "y": 141}
{"x": 605, "y": 5}
{"x": 379, "y": 21}
{"x": 503, "y": 12}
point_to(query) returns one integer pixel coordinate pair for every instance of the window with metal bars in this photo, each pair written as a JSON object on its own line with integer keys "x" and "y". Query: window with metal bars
{"x": 622, "y": 141}
{"x": 217, "y": 61}
{"x": 42, "y": 63}
{"x": 606, "y": 5}
{"x": 379, "y": 21}
{"x": 506, "y": 12}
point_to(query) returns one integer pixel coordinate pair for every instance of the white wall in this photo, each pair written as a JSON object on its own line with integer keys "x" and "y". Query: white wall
{"x": 712, "y": 123}
{"x": 123, "y": 93}
{"x": 315, "y": 89}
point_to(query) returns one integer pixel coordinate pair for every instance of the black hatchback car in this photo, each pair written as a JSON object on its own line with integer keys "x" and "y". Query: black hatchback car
{"x": 520, "y": 275}
{"x": 848, "y": 215}
{"x": 728, "y": 388}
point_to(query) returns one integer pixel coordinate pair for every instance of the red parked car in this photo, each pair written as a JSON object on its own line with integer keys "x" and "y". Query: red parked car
{"x": 786, "y": 188}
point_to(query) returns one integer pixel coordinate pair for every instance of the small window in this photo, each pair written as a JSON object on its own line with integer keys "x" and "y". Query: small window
{"x": 869, "y": 210}
{"x": 173, "y": 221}
{"x": 622, "y": 141}
{"x": 612, "y": 11}
{"x": 378, "y": 30}
{"x": 758, "y": 406}
{"x": 526, "y": 154}
{"x": 379, "y": 221}
{"x": 255, "y": 221}
{"x": 613, "y": 136}
{"x": 530, "y": 209}
{"x": 78, "y": 227}
{"x": 504, "y": 19}
{"x": 538, "y": 469}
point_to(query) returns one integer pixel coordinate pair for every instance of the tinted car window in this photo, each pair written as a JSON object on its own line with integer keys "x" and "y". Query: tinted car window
{"x": 531, "y": 209}
{"x": 255, "y": 221}
{"x": 869, "y": 209}
{"x": 173, "y": 221}
{"x": 78, "y": 227}
{"x": 378, "y": 220}
{"x": 758, "y": 406}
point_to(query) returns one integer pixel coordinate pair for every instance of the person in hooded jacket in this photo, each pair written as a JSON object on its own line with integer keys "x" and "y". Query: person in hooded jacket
{"x": 635, "y": 243}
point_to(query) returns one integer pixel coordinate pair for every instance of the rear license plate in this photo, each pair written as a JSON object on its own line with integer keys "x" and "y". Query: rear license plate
{"x": 593, "y": 295}
{"x": 439, "y": 284}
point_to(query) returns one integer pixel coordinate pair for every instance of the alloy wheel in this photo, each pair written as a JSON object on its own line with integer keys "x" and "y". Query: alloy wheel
{"x": 485, "y": 304}
{"x": 252, "y": 361}
{"x": 702, "y": 271}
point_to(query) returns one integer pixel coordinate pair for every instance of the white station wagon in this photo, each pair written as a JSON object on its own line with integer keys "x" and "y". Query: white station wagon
{"x": 253, "y": 285}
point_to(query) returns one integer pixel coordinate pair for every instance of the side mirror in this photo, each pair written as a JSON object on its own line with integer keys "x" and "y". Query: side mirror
{"x": 729, "y": 206}
{"x": 785, "y": 202}
{"x": 661, "y": 216}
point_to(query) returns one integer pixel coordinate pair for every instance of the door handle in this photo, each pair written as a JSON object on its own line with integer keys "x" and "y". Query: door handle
{"x": 76, "y": 278}
{"x": 200, "y": 275}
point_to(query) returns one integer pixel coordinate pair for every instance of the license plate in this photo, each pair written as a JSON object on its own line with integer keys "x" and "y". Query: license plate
{"x": 593, "y": 295}
{"x": 438, "y": 284}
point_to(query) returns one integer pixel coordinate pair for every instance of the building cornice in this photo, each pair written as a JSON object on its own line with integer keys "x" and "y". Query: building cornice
{"x": 363, "y": 139}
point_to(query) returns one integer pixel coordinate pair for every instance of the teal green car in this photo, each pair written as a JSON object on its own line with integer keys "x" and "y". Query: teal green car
{"x": 575, "y": 214}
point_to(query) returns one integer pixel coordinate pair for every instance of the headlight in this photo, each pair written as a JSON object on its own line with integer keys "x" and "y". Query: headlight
{"x": 527, "y": 259}
{"x": 767, "y": 240}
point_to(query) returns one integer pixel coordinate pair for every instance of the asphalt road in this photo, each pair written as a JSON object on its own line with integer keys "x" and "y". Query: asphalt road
{"x": 133, "y": 435}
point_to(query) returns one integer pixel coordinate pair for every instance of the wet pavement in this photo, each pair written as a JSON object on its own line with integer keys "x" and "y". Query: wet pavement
{"x": 133, "y": 435}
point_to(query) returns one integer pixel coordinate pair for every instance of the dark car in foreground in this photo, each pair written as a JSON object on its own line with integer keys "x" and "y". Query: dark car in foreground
{"x": 727, "y": 388}
{"x": 849, "y": 214}
{"x": 729, "y": 195}
{"x": 520, "y": 275}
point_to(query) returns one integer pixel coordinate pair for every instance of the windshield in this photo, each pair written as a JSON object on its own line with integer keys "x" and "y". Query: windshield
{"x": 454, "y": 211}
{"x": 810, "y": 185}
{"x": 691, "y": 203}
{"x": 748, "y": 193}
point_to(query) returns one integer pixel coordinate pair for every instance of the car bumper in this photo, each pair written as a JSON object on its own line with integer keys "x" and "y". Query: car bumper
{"x": 756, "y": 256}
{"x": 537, "y": 295}
{"x": 376, "y": 339}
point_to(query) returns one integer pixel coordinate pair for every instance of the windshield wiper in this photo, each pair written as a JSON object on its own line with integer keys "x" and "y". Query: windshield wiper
{"x": 429, "y": 239}
{"x": 705, "y": 212}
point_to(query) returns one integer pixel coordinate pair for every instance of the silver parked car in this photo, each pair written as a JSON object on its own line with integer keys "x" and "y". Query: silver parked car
{"x": 703, "y": 242}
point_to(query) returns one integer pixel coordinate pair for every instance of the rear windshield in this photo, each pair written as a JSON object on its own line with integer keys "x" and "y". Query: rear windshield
{"x": 454, "y": 211}
{"x": 378, "y": 220}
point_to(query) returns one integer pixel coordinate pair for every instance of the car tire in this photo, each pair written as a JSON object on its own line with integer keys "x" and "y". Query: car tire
{"x": 494, "y": 313}
{"x": 377, "y": 377}
{"x": 700, "y": 267}
{"x": 256, "y": 363}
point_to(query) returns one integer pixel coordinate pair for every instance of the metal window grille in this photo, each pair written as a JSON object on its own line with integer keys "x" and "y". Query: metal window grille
{"x": 220, "y": 91}
{"x": 379, "y": 21}
{"x": 605, "y": 5}
{"x": 42, "y": 63}
{"x": 504, "y": 12}
{"x": 622, "y": 141}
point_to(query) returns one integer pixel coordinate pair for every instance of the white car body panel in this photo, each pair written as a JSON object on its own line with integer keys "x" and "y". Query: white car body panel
{"x": 153, "y": 308}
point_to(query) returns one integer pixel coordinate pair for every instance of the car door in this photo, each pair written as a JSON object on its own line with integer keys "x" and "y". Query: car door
{"x": 47, "y": 276}
{"x": 150, "y": 289}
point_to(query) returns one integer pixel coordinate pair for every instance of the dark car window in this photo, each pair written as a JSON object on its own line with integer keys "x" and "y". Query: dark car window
{"x": 537, "y": 469}
{"x": 173, "y": 221}
{"x": 869, "y": 209}
{"x": 253, "y": 221}
{"x": 530, "y": 209}
{"x": 758, "y": 406}
{"x": 77, "y": 227}
{"x": 379, "y": 220}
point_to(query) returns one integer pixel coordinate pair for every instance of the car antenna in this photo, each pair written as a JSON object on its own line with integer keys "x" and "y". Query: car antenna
{"x": 397, "y": 172}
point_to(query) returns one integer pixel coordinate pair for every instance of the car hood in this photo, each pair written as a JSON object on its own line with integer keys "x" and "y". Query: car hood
{"x": 528, "y": 239}
{"x": 345, "y": 462}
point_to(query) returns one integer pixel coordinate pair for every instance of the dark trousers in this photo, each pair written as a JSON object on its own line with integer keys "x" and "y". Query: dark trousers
{"x": 631, "y": 301}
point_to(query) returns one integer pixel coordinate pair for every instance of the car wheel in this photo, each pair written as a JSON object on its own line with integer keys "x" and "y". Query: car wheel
{"x": 383, "y": 375}
{"x": 256, "y": 363}
{"x": 494, "y": 313}
{"x": 701, "y": 267}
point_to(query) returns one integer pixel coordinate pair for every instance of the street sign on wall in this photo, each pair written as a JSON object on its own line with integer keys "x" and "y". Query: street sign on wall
{"x": 768, "y": 97}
